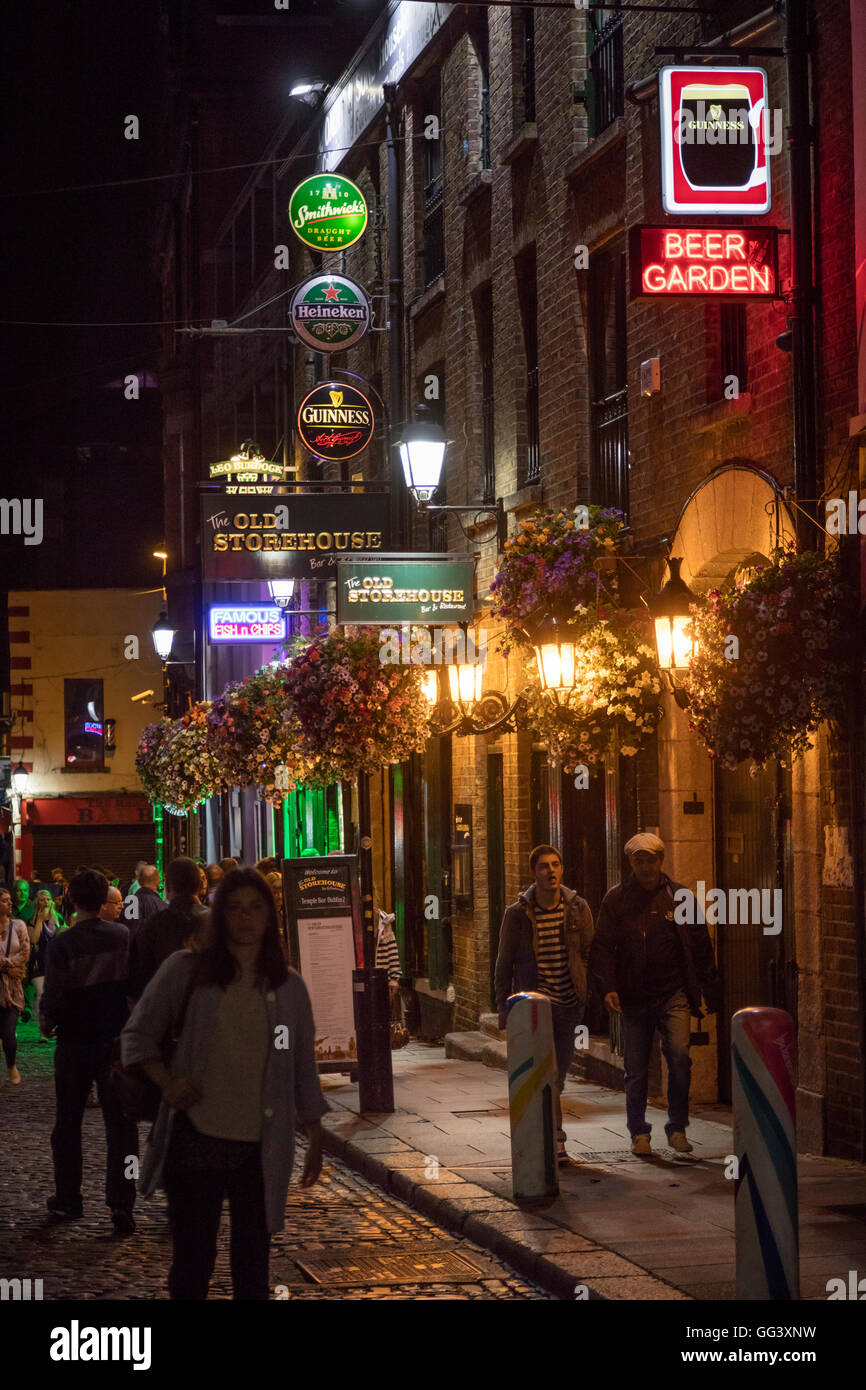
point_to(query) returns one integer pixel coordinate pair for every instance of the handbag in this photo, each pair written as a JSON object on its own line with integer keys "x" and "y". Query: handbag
{"x": 136, "y": 1095}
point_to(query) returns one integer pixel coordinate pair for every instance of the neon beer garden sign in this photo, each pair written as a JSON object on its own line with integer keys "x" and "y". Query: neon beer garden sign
{"x": 725, "y": 263}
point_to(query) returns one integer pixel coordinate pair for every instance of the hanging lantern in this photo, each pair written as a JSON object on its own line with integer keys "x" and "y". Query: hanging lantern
{"x": 670, "y": 611}
{"x": 555, "y": 658}
{"x": 464, "y": 680}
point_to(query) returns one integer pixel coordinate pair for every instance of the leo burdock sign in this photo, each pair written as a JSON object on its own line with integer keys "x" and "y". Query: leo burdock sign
{"x": 328, "y": 212}
{"x": 323, "y": 915}
{"x": 330, "y": 313}
{"x": 335, "y": 421}
{"x": 298, "y": 537}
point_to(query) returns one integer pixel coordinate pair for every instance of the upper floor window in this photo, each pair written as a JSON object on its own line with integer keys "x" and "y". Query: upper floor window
{"x": 433, "y": 239}
{"x": 604, "y": 35}
{"x": 529, "y": 65}
{"x": 734, "y": 368}
{"x": 527, "y": 294}
{"x": 608, "y": 366}
{"x": 84, "y": 725}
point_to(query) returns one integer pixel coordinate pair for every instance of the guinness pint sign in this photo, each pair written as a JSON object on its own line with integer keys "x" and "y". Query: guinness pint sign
{"x": 330, "y": 313}
{"x": 336, "y": 421}
{"x": 328, "y": 212}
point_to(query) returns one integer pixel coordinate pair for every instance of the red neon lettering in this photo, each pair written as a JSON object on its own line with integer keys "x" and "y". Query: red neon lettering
{"x": 673, "y": 245}
{"x": 697, "y": 277}
{"x": 718, "y": 278}
{"x": 694, "y": 244}
{"x": 714, "y": 246}
{"x": 676, "y": 279}
{"x": 735, "y": 245}
{"x": 654, "y": 278}
{"x": 739, "y": 277}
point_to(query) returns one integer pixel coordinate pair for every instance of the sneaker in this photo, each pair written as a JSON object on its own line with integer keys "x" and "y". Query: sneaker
{"x": 124, "y": 1222}
{"x": 64, "y": 1210}
{"x": 564, "y": 1160}
{"x": 678, "y": 1141}
{"x": 641, "y": 1145}
{"x": 14, "y": 1076}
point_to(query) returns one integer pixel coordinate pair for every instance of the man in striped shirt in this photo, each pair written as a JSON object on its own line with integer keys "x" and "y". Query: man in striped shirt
{"x": 544, "y": 945}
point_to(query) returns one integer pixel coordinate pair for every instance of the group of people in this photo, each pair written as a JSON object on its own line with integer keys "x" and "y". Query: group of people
{"x": 205, "y": 990}
{"x": 652, "y": 970}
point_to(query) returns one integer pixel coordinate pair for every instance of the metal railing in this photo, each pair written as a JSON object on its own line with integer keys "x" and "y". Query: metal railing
{"x": 533, "y": 456}
{"x": 488, "y": 451}
{"x": 606, "y": 67}
{"x": 528, "y": 66}
{"x": 610, "y": 451}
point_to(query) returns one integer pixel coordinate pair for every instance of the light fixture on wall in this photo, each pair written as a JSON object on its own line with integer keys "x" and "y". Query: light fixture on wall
{"x": 20, "y": 778}
{"x": 671, "y": 613}
{"x": 422, "y": 454}
{"x": 163, "y": 634}
{"x": 281, "y": 591}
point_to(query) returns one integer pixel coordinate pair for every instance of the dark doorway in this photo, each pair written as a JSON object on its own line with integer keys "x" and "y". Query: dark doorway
{"x": 754, "y": 850}
{"x": 584, "y": 849}
{"x": 495, "y": 858}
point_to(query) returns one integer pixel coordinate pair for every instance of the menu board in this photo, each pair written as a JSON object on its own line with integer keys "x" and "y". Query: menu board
{"x": 323, "y": 914}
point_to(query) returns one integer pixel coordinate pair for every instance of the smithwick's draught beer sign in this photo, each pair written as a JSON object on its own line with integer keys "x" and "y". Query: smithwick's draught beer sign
{"x": 724, "y": 263}
{"x": 328, "y": 212}
{"x": 289, "y": 537}
{"x": 393, "y": 589}
{"x": 336, "y": 421}
{"x": 714, "y": 140}
{"x": 330, "y": 313}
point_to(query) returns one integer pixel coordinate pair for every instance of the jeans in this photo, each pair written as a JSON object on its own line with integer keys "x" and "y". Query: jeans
{"x": 199, "y": 1172}
{"x": 673, "y": 1021}
{"x": 76, "y": 1066}
{"x": 565, "y": 1018}
{"x": 8, "y": 1024}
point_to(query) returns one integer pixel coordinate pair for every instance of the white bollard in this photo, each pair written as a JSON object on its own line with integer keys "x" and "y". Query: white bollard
{"x": 531, "y": 1093}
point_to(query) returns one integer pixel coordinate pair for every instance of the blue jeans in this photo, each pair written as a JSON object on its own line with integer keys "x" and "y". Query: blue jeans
{"x": 673, "y": 1021}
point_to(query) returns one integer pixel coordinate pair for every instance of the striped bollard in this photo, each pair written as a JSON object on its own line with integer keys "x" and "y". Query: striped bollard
{"x": 763, "y": 1056}
{"x": 531, "y": 1082}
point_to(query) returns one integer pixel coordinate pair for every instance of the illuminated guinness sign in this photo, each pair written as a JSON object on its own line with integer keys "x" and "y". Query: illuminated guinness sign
{"x": 335, "y": 421}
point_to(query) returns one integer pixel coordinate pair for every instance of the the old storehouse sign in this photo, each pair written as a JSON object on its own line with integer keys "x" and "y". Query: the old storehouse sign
{"x": 714, "y": 140}
{"x": 297, "y": 537}
{"x": 330, "y": 313}
{"x": 328, "y": 212}
{"x": 388, "y": 590}
{"x": 335, "y": 421}
{"x": 729, "y": 262}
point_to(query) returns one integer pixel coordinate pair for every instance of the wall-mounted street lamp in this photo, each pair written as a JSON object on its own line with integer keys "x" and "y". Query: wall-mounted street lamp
{"x": 422, "y": 454}
{"x": 20, "y": 778}
{"x": 671, "y": 614}
{"x": 555, "y": 659}
{"x": 281, "y": 591}
{"x": 310, "y": 93}
{"x": 163, "y": 636}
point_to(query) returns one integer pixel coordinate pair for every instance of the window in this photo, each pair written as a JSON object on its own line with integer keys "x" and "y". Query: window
{"x": 85, "y": 725}
{"x": 437, "y": 522}
{"x": 434, "y": 221}
{"x": 484, "y": 327}
{"x": 527, "y": 293}
{"x": 733, "y": 362}
{"x": 608, "y": 379}
{"x": 529, "y": 65}
{"x": 604, "y": 35}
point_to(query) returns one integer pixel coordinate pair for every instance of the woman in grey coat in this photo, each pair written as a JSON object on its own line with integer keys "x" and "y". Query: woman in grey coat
{"x": 242, "y": 1073}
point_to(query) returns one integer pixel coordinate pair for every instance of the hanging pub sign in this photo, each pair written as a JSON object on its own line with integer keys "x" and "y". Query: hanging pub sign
{"x": 389, "y": 589}
{"x": 246, "y": 623}
{"x": 723, "y": 263}
{"x": 289, "y": 537}
{"x": 714, "y": 140}
{"x": 328, "y": 212}
{"x": 335, "y": 421}
{"x": 330, "y": 313}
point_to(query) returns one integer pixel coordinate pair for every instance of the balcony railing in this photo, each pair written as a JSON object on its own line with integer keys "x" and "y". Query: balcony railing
{"x": 487, "y": 433}
{"x": 533, "y": 456}
{"x": 434, "y": 231}
{"x": 528, "y": 66}
{"x": 610, "y": 451}
{"x": 606, "y": 67}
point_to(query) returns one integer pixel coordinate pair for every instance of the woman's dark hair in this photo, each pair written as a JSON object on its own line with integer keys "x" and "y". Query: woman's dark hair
{"x": 216, "y": 964}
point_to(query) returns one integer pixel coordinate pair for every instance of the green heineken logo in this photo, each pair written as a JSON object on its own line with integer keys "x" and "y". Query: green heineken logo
{"x": 330, "y": 313}
{"x": 328, "y": 212}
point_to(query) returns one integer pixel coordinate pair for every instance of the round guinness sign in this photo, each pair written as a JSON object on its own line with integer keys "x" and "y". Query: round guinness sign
{"x": 330, "y": 313}
{"x": 335, "y": 421}
{"x": 328, "y": 212}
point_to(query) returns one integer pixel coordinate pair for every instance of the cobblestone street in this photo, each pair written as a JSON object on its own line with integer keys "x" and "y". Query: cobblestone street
{"x": 343, "y": 1219}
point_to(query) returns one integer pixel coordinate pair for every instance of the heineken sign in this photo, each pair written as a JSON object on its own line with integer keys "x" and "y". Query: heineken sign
{"x": 330, "y": 313}
{"x": 328, "y": 212}
{"x": 297, "y": 536}
{"x": 335, "y": 421}
{"x": 390, "y": 589}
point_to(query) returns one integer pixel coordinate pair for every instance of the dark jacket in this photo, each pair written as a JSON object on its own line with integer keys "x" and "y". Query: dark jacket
{"x": 159, "y": 937}
{"x": 146, "y": 904}
{"x": 86, "y": 972}
{"x": 617, "y": 961}
{"x": 517, "y": 963}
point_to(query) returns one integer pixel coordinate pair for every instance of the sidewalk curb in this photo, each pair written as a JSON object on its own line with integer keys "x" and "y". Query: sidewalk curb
{"x": 496, "y": 1228}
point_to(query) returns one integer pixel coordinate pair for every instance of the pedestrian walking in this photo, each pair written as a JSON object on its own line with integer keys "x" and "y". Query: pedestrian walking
{"x": 242, "y": 1073}
{"x": 84, "y": 1001}
{"x": 145, "y": 901}
{"x": 41, "y": 931}
{"x": 653, "y": 971}
{"x": 214, "y": 878}
{"x": 544, "y": 944}
{"x": 180, "y": 926}
{"x": 14, "y": 953}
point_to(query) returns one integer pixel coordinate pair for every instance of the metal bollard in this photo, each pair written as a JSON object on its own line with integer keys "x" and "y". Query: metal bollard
{"x": 373, "y": 1033}
{"x": 531, "y": 1082}
{"x": 763, "y": 1055}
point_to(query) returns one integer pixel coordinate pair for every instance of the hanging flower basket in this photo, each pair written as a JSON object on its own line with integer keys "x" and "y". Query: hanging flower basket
{"x": 793, "y": 622}
{"x": 253, "y": 731}
{"x": 147, "y": 757}
{"x": 354, "y": 714}
{"x": 551, "y": 569}
{"x": 176, "y": 762}
{"x": 617, "y": 694}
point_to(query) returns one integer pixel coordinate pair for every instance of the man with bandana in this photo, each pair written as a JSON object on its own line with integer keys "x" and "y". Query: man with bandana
{"x": 653, "y": 971}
